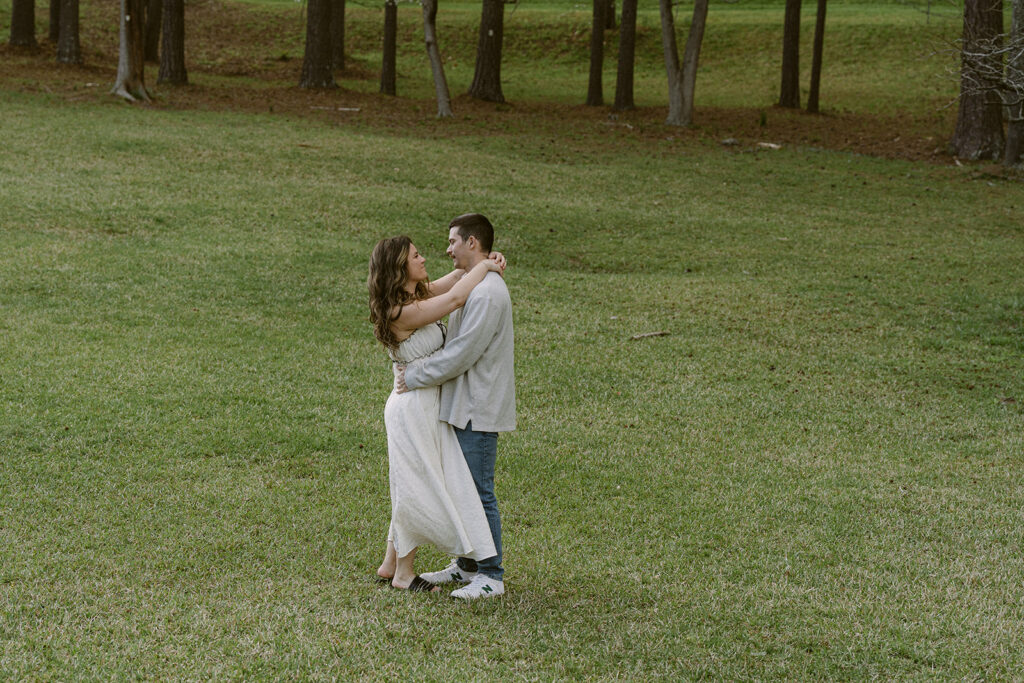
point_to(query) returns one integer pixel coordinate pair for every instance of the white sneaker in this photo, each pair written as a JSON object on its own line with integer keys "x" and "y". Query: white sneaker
{"x": 450, "y": 573}
{"x": 482, "y": 586}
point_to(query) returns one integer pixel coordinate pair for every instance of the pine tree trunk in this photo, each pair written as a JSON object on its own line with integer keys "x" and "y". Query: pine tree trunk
{"x": 671, "y": 52}
{"x": 154, "y": 19}
{"x": 338, "y": 35}
{"x": 55, "y": 20}
{"x": 627, "y": 57}
{"x": 69, "y": 51}
{"x": 595, "y": 92}
{"x": 444, "y": 100}
{"x": 131, "y": 74}
{"x": 1014, "y": 141}
{"x": 819, "y": 45}
{"x": 979, "y": 123}
{"x": 1015, "y": 73}
{"x": 691, "y": 57}
{"x": 172, "y": 56}
{"x": 23, "y": 23}
{"x": 609, "y": 15}
{"x": 316, "y": 62}
{"x": 486, "y": 83}
{"x": 789, "y": 95}
{"x": 388, "y": 78}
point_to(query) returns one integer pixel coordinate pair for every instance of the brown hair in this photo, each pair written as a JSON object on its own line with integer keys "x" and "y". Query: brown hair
{"x": 475, "y": 225}
{"x": 386, "y": 283}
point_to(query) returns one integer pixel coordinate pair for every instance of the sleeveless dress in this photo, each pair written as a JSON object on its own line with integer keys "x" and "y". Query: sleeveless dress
{"x": 433, "y": 497}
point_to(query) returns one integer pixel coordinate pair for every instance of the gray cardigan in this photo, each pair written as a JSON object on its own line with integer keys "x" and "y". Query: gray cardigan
{"x": 475, "y": 367}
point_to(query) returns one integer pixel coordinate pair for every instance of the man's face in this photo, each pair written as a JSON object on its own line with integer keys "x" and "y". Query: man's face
{"x": 458, "y": 249}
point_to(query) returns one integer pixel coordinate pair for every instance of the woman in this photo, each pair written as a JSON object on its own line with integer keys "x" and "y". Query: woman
{"x": 433, "y": 497}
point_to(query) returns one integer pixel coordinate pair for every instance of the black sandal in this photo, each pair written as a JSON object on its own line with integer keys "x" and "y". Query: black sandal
{"x": 419, "y": 585}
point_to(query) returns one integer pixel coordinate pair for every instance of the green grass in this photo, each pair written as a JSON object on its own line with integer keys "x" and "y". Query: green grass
{"x": 814, "y": 474}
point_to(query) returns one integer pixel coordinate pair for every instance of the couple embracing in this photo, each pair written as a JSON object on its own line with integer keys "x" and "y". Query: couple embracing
{"x": 454, "y": 392}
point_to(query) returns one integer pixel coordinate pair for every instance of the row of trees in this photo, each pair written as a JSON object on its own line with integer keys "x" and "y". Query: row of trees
{"x": 681, "y": 70}
{"x": 142, "y": 23}
{"x": 991, "y": 71}
{"x": 147, "y": 24}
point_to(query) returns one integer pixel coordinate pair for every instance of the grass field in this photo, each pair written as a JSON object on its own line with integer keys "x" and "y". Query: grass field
{"x": 814, "y": 474}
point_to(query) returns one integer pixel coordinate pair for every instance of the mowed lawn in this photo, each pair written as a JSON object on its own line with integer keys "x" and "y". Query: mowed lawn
{"x": 812, "y": 470}
{"x": 815, "y": 472}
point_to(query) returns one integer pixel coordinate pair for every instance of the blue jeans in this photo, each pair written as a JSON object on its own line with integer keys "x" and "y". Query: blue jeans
{"x": 481, "y": 452}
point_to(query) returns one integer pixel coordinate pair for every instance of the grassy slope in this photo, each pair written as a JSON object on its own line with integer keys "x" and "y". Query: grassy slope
{"x": 814, "y": 474}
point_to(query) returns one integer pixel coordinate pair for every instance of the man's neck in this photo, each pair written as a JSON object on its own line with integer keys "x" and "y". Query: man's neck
{"x": 474, "y": 258}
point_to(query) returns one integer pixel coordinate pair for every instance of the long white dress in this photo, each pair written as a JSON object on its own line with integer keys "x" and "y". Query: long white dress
{"x": 433, "y": 497}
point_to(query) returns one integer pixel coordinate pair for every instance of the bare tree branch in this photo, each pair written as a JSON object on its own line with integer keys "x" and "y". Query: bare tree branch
{"x": 993, "y": 65}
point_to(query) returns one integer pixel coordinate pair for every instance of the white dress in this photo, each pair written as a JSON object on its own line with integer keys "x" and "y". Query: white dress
{"x": 433, "y": 497}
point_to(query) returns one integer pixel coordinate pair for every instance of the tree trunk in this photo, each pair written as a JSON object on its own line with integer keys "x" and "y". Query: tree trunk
{"x": 1014, "y": 141}
{"x": 486, "y": 83}
{"x": 682, "y": 81}
{"x": 338, "y": 34}
{"x": 154, "y": 19}
{"x": 627, "y": 57}
{"x": 609, "y": 15}
{"x": 979, "y": 121}
{"x": 789, "y": 95}
{"x": 388, "y": 78}
{"x": 172, "y": 56}
{"x": 671, "y": 52}
{"x": 69, "y": 51}
{"x": 819, "y": 45}
{"x": 444, "y": 100}
{"x": 131, "y": 74}
{"x": 692, "y": 56}
{"x": 1015, "y": 72}
{"x": 55, "y": 21}
{"x": 316, "y": 62}
{"x": 595, "y": 93}
{"x": 23, "y": 23}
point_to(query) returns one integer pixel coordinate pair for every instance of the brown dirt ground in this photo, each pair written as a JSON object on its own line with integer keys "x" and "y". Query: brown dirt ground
{"x": 269, "y": 87}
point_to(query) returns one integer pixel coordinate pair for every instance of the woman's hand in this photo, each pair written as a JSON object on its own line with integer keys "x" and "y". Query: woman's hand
{"x": 493, "y": 265}
{"x": 498, "y": 258}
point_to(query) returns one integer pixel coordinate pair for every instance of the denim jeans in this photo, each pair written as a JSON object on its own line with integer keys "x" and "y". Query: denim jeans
{"x": 481, "y": 451}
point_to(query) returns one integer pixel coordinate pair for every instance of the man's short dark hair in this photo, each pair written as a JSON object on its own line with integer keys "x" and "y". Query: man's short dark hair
{"x": 475, "y": 225}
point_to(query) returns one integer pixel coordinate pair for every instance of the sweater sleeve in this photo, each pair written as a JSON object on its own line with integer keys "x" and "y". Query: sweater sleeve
{"x": 480, "y": 318}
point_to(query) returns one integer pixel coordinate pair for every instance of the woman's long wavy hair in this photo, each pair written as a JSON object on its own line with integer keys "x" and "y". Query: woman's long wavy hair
{"x": 386, "y": 283}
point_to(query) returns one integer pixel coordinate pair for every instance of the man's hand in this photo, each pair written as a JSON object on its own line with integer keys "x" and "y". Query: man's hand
{"x": 400, "y": 379}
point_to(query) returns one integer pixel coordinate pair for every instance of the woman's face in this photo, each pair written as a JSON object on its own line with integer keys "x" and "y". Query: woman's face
{"x": 415, "y": 267}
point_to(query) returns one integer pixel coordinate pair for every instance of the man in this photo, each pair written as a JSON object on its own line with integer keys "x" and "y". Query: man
{"x": 476, "y": 374}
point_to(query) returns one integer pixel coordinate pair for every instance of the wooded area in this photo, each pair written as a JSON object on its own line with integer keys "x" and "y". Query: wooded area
{"x": 989, "y": 121}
